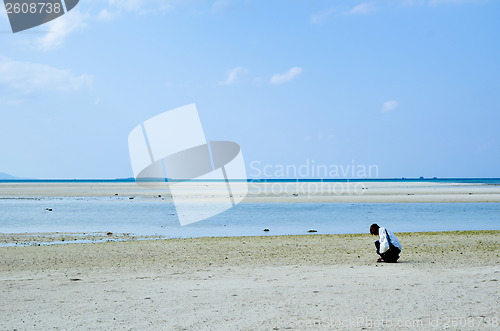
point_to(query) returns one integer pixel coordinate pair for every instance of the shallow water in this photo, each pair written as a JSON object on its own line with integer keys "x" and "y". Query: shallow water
{"x": 156, "y": 217}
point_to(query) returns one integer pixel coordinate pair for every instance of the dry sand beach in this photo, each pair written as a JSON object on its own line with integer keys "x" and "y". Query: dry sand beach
{"x": 244, "y": 283}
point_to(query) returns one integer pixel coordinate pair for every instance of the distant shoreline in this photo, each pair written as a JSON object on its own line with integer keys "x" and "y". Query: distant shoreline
{"x": 277, "y": 191}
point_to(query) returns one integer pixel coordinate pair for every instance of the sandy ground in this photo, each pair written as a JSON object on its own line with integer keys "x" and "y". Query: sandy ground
{"x": 363, "y": 192}
{"x": 38, "y": 239}
{"x": 444, "y": 280}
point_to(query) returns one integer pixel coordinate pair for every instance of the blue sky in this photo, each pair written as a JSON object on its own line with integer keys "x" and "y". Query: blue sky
{"x": 409, "y": 86}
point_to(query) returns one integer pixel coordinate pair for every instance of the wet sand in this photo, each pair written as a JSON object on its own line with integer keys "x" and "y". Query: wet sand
{"x": 353, "y": 192}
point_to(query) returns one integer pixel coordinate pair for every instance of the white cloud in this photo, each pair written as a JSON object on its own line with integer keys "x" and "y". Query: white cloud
{"x": 434, "y": 3}
{"x": 129, "y": 5}
{"x": 368, "y": 7}
{"x": 115, "y": 8}
{"x": 220, "y": 6}
{"x": 440, "y": 2}
{"x": 389, "y": 106}
{"x": 232, "y": 75}
{"x": 106, "y": 15}
{"x": 362, "y": 9}
{"x": 321, "y": 16}
{"x": 283, "y": 78}
{"x": 8, "y": 101}
{"x": 143, "y": 6}
{"x": 29, "y": 77}
{"x": 59, "y": 29}
{"x": 409, "y": 3}
{"x": 320, "y": 136}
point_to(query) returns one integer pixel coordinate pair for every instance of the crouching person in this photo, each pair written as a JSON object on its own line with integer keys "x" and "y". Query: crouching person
{"x": 388, "y": 246}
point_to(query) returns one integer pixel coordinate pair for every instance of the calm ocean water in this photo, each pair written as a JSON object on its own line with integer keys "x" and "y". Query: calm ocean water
{"x": 148, "y": 217}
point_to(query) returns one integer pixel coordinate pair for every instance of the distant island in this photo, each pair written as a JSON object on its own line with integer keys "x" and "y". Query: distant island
{"x": 7, "y": 176}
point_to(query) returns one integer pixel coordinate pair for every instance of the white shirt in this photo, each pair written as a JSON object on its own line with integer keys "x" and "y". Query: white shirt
{"x": 384, "y": 244}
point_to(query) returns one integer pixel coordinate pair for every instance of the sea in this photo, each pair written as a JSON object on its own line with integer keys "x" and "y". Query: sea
{"x": 158, "y": 217}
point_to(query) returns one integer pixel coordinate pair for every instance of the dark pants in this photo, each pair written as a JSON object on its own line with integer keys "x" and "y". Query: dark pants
{"x": 392, "y": 255}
